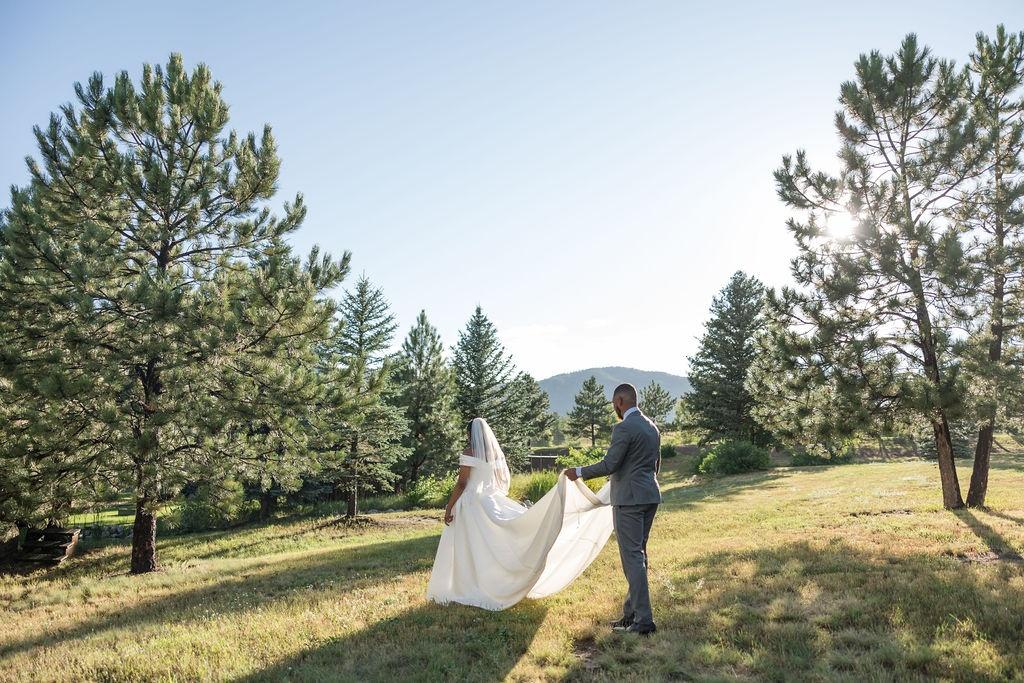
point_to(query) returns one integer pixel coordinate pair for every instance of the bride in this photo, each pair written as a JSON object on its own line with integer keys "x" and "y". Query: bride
{"x": 494, "y": 552}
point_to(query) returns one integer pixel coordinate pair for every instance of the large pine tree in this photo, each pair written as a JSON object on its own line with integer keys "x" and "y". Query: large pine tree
{"x": 535, "y": 420}
{"x": 153, "y": 312}
{"x": 485, "y": 383}
{"x": 881, "y": 309}
{"x": 426, "y": 392}
{"x": 592, "y": 414}
{"x": 364, "y": 429}
{"x": 994, "y": 212}
{"x": 719, "y": 400}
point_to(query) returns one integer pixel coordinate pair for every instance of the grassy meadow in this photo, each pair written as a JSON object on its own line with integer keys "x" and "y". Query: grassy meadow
{"x": 849, "y": 573}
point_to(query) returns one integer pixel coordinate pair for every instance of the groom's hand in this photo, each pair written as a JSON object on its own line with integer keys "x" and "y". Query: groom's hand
{"x": 570, "y": 473}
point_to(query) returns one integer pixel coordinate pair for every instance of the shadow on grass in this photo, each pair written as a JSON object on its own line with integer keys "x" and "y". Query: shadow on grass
{"x": 995, "y": 541}
{"x": 428, "y": 643}
{"x": 327, "y": 575}
{"x": 719, "y": 489}
{"x": 823, "y": 612}
{"x": 1007, "y": 517}
{"x": 1013, "y": 462}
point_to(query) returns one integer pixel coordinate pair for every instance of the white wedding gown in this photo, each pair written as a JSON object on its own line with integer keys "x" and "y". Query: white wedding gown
{"x": 497, "y": 552}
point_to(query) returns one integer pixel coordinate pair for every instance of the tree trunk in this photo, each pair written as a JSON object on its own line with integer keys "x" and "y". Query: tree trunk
{"x": 144, "y": 538}
{"x": 266, "y": 505}
{"x": 353, "y": 502}
{"x": 979, "y": 474}
{"x": 353, "y": 491}
{"x": 951, "y": 498}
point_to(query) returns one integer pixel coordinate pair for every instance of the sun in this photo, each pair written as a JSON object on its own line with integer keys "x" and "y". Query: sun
{"x": 841, "y": 225}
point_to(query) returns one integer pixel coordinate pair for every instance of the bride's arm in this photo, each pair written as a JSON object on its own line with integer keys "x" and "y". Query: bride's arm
{"x": 460, "y": 486}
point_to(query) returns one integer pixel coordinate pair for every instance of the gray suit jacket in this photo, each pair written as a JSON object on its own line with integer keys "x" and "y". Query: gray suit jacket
{"x": 632, "y": 462}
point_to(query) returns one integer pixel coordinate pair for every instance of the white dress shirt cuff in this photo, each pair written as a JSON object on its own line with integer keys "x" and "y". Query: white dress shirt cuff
{"x": 579, "y": 471}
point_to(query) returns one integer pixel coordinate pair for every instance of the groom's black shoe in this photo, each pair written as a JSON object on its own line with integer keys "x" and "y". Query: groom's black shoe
{"x": 642, "y": 630}
{"x": 622, "y": 624}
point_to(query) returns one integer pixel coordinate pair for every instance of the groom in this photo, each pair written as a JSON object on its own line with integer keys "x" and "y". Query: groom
{"x": 632, "y": 463}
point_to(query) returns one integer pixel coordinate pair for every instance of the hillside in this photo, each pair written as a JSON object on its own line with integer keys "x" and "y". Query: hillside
{"x": 562, "y": 389}
{"x": 851, "y": 573}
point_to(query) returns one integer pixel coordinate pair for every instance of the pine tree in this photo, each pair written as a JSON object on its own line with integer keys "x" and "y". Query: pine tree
{"x": 483, "y": 371}
{"x": 719, "y": 399}
{"x": 426, "y": 393}
{"x": 804, "y": 409}
{"x": 533, "y": 408}
{"x": 591, "y": 415}
{"x": 880, "y": 310}
{"x": 484, "y": 380}
{"x": 153, "y": 309}
{"x": 656, "y": 403}
{"x": 992, "y": 210}
{"x": 364, "y": 429}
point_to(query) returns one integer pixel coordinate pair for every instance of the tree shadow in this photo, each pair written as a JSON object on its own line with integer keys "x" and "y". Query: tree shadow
{"x": 1013, "y": 462}
{"x": 822, "y": 612}
{"x": 995, "y": 541}
{"x": 719, "y": 488}
{"x": 327, "y": 575}
{"x": 427, "y": 643}
{"x": 1003, "y": 515}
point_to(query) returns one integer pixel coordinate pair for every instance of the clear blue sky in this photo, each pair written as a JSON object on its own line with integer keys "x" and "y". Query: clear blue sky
{"x": 590, "y": 173}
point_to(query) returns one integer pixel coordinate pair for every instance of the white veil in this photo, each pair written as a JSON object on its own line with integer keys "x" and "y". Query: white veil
{"x": 486, "y": 447}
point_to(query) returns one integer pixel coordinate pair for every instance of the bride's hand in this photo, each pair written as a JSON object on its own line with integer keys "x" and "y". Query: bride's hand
{"x": 448, "y": 516}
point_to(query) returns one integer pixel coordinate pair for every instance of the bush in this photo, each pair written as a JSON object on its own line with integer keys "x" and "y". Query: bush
{"x": 533, "y": 485}
{"x": 580, "y": 457}
{"x": 215, "y": 505}
{"x": 734, "y": 457}
{"x": 668, "y": 451}
{"x": 431, "y": 492}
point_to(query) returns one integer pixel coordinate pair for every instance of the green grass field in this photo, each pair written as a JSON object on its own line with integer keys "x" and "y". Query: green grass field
{"x": 845, "y": 573}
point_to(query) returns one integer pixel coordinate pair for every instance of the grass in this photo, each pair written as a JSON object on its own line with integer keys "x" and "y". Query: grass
{"x": 851, "y": 573}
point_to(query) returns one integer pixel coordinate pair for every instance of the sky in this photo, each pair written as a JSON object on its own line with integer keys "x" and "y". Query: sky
{"x": 590, "y": 173}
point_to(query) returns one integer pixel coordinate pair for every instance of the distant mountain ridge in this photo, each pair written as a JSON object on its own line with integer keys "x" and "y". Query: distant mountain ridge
{"x": 562, "y": 389}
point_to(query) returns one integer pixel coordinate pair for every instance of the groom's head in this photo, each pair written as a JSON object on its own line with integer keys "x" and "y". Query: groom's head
{"x": 623, "y": 399}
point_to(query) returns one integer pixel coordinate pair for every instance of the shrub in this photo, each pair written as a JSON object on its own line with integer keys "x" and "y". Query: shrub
{"x": 431, "y": 491}
{"x": 215, "y": 505}
{"x": 580, "y": 457}
{"x": 734, "y": 457}
{"x": 533, "y": 485}
{"x": 668, "y": 451}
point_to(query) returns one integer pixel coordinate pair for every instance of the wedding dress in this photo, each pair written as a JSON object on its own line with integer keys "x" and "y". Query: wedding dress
{"x": 497, "y": 551}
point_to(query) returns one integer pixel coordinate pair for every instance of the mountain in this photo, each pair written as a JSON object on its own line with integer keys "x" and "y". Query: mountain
{"x": 562, "y": 389}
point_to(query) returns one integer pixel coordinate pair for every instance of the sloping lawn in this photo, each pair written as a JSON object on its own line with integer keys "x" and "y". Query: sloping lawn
{"x": 844, "y": 573}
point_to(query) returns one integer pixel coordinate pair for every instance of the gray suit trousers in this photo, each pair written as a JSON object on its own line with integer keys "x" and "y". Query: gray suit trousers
{"x": 632, "y": 527}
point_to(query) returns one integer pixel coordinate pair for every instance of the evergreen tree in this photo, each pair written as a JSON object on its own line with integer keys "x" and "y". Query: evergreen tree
{"x": 533, "y": 407}
{"x": 656, "y": 403}
{"x": 879, "y": 311}
{"x": 484, "y": 380}
{"x": 802, "y": 407}
{"x": 592, "y": 414}
{"x": 719, "y": 399}
{"x": 483, "y": 371}
{"x": 992, "y": 210}
{"x": 364, "y": 429}
{"x": 153, "y": 311}
{"x": 426, "y": 392}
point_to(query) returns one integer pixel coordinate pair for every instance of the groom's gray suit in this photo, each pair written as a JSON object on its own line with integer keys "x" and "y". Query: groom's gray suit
{"x": 632, "y": 464}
